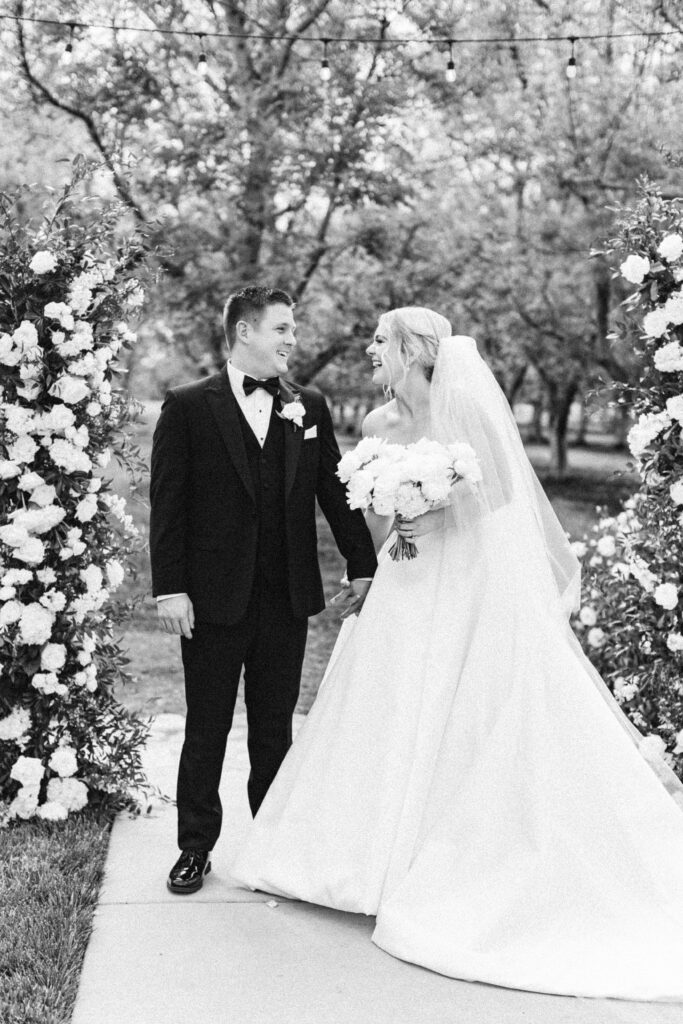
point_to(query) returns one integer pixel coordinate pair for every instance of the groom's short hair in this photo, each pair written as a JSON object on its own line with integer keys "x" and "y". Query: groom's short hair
{"x": 250, "y": 304}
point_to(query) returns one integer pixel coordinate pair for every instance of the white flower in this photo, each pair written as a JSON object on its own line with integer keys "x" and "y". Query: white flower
{"x": 30, "y": 480}
{"x": 24, "y": 804}
{"x": 588, "y": 616}
{"x": 25, "y": 337}
{"x": 596, "y": 637}
{"x": 104, "y": 458}
{"x": 294, "y": 412}
{"x": 70, "y": 793}
{"x": 13, "y": 536}
{"x": 69, "y": 457}
{"x": 16, "y": 725}
{"x": 47, "y": 682}
{"x": 634, "y": 268}
{"x": 115, "y": 573}
{"x": 93, "y": 577}
{"x": 44, "y": 495}
{"x": 10, "y": 612}
{"x": 135, "y": 297}
{"x": 54, "y": 601}
{"x": 31, "y": 551}
{"x": 19, "y": 419}
{"x": 666, "y": 595}
{"x": 57, "y": 419}
{"x": 648, "y": 427}
{"x": 61, "y": 312}
{"x": 9, "y": 469}
{"x": 70, "y": 389}
{"x": 17, "y": 576}
{"x": 53, "y": 657}
{"x": 669, "y": 358}
{"x": 39, "y": 520}
{"x": 9, "y": 354}
{"x": 655, "y": 323}
{"x": 676, "y": 492}
{"x": 86, "y": 508}
{"x": 359, "y": 489}
{"x": 29, "y": 771}
{"x": 674, "y": 642}
{"x": 670, "y": 247}
{"x": 79, "y": 436}
{"x": 63, "y": 761}
{"x": 579, "y": 548}
{"x": 678, "y": 749}
{"x": 23, "y": 449}
{"x": 93, "y": 409}
{"x": 43, "y": 262}
{"x": 52, "y": 811}
{"x": 624, "y": 690}
{"x": 606, "y": 546}
{"x": 674, "y": 407}
{"x": 35, "y": 624}
{"x": 652, "y": 747}
{"x": 673, "y": 307}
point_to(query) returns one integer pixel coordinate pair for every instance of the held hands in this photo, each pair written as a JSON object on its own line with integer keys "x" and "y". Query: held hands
{"x": 176, "y": 615}
{"x": 353, "y": 595}
{"x": 410, "y": 529}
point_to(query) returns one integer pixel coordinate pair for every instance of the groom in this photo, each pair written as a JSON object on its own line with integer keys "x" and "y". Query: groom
{"x": 238, "y": 461}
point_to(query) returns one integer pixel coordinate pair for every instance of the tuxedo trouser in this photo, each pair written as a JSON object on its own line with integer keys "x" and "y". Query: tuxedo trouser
{"x": 269, "y": 642}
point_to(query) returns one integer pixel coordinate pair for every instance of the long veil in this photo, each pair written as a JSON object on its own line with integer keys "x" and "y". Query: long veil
{"x": 510, "y": 512}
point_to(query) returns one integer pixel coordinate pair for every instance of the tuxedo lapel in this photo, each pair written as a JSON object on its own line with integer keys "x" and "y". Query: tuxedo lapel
{"x": 225, "y": 410}
{"x": 293, "y": 438}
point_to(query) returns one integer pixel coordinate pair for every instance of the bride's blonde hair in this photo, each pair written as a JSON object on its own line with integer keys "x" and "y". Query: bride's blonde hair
{"x": 417, "y": 331}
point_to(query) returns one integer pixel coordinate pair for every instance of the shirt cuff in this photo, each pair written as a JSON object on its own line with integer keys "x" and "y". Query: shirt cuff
{"x": 165, "y": 597}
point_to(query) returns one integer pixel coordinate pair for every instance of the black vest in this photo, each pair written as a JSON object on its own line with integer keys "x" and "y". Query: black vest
{"x": 267, "y": 466}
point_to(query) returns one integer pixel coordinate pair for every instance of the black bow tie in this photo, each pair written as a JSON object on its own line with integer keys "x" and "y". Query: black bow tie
{"x": 272, "y": 385}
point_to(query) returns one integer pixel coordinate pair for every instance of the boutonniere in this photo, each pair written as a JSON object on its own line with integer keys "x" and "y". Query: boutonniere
{"x": 294, "y": 412}
{"x": 291, "y": 408}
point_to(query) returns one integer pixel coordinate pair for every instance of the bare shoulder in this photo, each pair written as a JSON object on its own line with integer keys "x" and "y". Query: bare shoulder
{"x": 376, "y": 423}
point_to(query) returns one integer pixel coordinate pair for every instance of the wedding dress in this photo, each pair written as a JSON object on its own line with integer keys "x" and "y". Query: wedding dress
{"x": 464, "y": 774}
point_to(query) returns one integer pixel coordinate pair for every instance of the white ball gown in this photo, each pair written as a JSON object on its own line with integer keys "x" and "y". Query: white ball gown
{"x": 462, "y": 777}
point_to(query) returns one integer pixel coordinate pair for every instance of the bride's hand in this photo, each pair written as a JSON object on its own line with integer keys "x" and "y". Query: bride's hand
{"x": 409, "y": 529}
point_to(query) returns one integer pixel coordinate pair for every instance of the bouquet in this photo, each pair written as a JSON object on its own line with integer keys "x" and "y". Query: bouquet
{"x": 405, "y": 480}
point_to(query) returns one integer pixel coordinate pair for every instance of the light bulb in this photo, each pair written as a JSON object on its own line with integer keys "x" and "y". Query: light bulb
{"x": 202, "y": 65}
{"x": 570, "y": 70}
{"x": 450, "y": 71}
{"x": 325, "y": 71}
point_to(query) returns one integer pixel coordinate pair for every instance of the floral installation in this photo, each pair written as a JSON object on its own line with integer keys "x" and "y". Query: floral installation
{"x": 66, "y": 540}
{"x": 631, "y": 621}
{"x": 405, "y": 480}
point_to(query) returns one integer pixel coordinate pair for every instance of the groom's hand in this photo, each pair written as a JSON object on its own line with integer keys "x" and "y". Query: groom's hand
{"x": 353, "y": 595}
{"x": 176, "y": 615}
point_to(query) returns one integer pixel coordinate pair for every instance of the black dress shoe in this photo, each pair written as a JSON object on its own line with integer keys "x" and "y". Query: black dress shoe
{"x": 187, "y": 874}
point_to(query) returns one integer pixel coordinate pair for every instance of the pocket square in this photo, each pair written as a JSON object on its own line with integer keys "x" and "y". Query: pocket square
{"x": 310, "y": 432}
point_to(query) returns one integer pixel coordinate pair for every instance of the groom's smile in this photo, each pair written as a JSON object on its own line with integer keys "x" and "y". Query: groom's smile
{"x": 265, "y": 345}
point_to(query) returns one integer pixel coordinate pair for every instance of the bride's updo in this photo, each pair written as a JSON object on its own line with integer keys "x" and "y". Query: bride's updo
{"x": 417, "y": 332}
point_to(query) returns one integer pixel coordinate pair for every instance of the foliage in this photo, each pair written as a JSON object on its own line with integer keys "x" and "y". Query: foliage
{"x": 632, "y": 619}
{"x": 66, "y": 541}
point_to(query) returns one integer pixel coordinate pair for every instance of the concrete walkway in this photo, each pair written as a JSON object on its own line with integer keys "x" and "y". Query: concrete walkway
{"x": 228, "y": 956}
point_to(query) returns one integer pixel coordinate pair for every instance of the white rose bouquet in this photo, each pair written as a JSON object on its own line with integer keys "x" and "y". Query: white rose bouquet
{"x": 405, "y": 480}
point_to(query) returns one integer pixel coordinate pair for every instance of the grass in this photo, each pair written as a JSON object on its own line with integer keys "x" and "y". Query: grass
{"x": 50, "y": 876}
{"x": 50, "y": 872}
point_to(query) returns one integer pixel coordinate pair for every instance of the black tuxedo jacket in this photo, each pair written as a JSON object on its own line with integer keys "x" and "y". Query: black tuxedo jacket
{"x": 204, "y": 521}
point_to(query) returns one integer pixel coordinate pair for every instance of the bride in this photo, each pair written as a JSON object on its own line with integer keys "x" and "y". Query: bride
{"x": 464, "y": 773}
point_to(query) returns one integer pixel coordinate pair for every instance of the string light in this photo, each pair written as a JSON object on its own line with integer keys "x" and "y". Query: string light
{"x": 450, "y": 67}
{"x": 67, "y": 56}
{"x": 570, "y": 70}
{"x": 325, "y": 72}
{"x": 202, "y": 63}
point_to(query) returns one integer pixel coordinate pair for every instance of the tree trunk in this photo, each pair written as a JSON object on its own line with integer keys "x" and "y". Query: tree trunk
{"x": 560, "y": 419}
